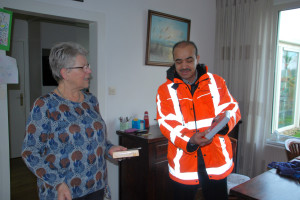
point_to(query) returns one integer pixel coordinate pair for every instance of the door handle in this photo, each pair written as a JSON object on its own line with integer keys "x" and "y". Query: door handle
{"x": 21, "y": 99}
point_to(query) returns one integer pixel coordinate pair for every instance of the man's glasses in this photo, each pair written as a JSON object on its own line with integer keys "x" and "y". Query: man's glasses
{"x": 84, "y": 68}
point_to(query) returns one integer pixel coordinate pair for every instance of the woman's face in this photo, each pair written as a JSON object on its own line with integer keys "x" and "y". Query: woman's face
{"x": 78, "y": 76}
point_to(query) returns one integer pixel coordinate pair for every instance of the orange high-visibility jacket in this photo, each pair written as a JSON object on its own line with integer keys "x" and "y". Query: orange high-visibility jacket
{"x": 180, "y": 114}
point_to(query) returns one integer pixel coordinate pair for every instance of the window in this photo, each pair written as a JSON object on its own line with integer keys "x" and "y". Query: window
{"x": 286, "y": 103}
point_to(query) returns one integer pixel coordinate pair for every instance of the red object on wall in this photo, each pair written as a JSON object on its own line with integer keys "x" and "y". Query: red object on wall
{"x": 146, "y": 118}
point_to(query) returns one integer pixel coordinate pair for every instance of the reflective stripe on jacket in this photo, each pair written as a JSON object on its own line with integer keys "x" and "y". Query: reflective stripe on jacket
{"x": 180, "y": 114}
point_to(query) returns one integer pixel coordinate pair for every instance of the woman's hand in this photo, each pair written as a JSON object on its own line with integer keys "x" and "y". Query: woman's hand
{"x": 116, "y": 148}
{"x": 63, "y": 192}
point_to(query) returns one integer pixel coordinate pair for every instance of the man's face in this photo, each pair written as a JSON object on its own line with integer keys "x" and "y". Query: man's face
{"x": 186, "y": 62}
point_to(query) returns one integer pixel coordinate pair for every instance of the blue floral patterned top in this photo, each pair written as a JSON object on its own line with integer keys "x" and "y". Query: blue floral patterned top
{"x": 65, "y": 141}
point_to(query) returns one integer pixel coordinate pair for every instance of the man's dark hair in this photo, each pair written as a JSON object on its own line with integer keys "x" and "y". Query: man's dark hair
{"x": 183, "y": 44}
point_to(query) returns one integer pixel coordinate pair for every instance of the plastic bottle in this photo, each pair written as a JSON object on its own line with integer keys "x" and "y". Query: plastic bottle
{"x": 136, "y": 123}
{"x": 146, "y": 118}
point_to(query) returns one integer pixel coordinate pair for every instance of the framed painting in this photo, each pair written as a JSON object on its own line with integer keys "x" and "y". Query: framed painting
{"x": 5, "y": 29}
{"x": 162, "y": 33}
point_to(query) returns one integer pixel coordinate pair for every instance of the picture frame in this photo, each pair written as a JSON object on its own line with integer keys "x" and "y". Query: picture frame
{"x": 5, "y": 29}
{"x": 163, "y": 31}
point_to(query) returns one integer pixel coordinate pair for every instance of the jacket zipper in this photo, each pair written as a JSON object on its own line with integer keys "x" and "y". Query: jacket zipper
{"x": 195, "y": 119}
{"x": 194, "y": 104}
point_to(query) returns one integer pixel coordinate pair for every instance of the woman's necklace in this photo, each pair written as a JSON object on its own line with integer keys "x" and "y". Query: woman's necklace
{"x": 65, "y": 97}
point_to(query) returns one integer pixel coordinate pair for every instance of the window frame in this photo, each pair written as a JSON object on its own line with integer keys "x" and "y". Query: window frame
{"x": 282, "y": 46}
{"x": 273, "y": 137}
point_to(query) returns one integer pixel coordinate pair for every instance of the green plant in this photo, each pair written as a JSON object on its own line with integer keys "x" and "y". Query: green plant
{"x": 297, "y": 134}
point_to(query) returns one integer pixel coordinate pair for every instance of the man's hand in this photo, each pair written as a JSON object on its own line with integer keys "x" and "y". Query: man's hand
{"x": 199, "y": 139}
{"x": 63, "y": 192}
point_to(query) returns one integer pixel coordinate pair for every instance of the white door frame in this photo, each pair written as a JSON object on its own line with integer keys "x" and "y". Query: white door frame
{"x": 17, "y": 105}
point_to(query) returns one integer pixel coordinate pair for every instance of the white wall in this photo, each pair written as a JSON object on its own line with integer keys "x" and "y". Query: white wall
{"x": 120, "y": 52}
{"x": 4, "y": 143}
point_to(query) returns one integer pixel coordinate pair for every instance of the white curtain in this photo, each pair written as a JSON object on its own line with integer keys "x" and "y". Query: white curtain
{"x": 245, "y": 52}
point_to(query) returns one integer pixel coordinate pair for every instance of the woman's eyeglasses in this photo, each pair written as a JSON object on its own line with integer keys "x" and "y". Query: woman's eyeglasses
{"x": 84, "y": 68}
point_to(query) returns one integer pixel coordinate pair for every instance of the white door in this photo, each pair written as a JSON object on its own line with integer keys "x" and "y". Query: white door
{"x": 16, "y": 102}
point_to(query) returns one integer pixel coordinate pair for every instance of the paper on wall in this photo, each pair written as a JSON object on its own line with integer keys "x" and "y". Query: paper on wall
{"x": 8, "y": 70}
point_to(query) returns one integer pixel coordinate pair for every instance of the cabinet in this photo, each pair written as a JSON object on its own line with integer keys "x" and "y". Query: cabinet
{"x": 145, "y": 177}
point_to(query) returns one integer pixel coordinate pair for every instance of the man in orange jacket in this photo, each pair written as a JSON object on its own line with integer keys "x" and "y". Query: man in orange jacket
{"x": 187, "y": 103}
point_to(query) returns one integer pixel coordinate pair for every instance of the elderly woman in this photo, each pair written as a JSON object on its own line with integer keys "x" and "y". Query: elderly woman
{"x": 65, "y": 141}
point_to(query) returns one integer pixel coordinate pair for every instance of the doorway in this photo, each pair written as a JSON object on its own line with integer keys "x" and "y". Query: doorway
{"x": 30, "y": 35}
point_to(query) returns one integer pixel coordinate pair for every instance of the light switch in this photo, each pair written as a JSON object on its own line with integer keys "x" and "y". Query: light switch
{"x": 111, "y": 91}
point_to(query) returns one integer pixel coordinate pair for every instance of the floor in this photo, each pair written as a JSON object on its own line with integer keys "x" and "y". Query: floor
{"x": 22, "y": 181}
{"x": 199, "y": 196}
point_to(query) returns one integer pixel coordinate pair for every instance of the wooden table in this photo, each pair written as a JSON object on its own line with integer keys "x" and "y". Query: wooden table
{"x": 268, "y": 186}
